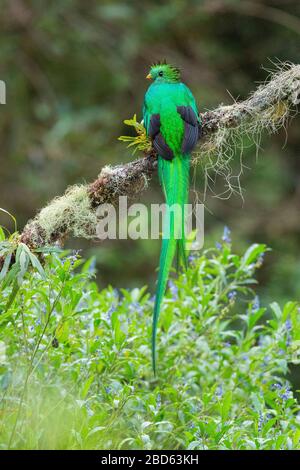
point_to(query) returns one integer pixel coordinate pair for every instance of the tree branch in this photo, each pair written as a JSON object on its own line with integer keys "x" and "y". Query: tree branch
{"x": 75, "y": 212}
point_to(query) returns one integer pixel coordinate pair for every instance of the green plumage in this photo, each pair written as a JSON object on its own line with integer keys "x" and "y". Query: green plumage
{"x": 172, "y": 133}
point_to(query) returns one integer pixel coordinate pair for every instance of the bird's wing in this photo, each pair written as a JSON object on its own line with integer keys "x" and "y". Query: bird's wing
{"x": 152, "y": 125}
{"x": 191, "y": 129}
{"x": 192, "y": 123}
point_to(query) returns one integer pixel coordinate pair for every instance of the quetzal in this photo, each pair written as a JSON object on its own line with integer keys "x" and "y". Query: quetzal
{"x": 172, "y": 122}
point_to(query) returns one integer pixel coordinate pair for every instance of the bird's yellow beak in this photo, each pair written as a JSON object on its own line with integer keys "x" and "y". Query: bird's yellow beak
{"x": 149, "y": 76}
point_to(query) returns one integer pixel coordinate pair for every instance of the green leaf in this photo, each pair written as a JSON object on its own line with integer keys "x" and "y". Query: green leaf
{"x": 37, "y": 265}
{"x": 11, "y": 298}
{"x": 5, "y": 266}
{"x": 226, "y": 405}
{"x": 276, "y": 310}
{"x": 256, "y": 402}
{"x": 11, "y": 216}
{"x": 87, "y": 386}
{"x": 253, "y": 317}
{"x": 2, "y": 234}
{"x": 253, "y": 253}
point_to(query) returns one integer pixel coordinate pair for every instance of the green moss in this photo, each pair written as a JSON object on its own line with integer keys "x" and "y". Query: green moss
{"x": 71, "y": 212}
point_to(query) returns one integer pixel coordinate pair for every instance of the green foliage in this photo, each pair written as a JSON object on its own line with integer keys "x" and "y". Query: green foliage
{"x": 75, "y": 361}
{"x": 140, "y": 141}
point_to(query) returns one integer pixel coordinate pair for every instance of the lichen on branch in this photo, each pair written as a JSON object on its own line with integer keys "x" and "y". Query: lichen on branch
{"x": 74, "y": 213}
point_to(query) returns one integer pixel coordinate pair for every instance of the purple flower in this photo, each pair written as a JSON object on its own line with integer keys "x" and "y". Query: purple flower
{"x": 192, "y": 258}
{"x": 277, "y": 386}
{"x": 110, "y": 311}
{"x": 136, "y": 307}
{"x": 74, "y": 256}
{"x": 286, "y": 394}
{"x": 266, "y": 360}
{"x": 255, "y": 304}
{"x": 218, "y": 246}
{"x": 219, "y": 391}
{"x": 232, "y": 295}
{"x": 260, "y": 421}
{"x": 226, "y": 235}
{"x": 288, "y": 324}
{"x": 173, "y": 289}
{"x": 158, "y": 400}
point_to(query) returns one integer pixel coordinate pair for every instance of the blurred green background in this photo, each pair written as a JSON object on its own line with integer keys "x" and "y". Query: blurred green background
{"x": 75, "y": 70}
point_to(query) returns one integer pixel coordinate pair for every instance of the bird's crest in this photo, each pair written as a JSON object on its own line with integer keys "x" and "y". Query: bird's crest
{"x": 164, "y": 71}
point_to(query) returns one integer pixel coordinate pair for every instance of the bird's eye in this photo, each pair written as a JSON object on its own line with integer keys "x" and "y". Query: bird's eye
{"x": 160, "y": 73}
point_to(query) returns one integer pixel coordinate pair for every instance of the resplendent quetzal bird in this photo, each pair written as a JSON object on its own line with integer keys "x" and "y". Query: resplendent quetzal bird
{"x": 172, "y": 122}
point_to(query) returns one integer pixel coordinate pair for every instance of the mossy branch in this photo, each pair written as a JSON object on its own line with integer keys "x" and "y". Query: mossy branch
{"x": 74, "y": 213}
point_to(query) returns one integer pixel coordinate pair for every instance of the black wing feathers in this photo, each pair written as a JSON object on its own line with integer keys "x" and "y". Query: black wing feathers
{"x": 191, "y": 133}
{"x": 191, "y": 130}
{"x": 188, "y": 115}
{"x": 154, "y": 126}
{"x": 159, "y": 142}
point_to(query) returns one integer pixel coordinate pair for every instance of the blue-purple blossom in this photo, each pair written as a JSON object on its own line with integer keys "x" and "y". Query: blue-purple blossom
{"x": 110, "y": 311}
{"x": 218, "y": 246}
{"x": 73, "y": 256}
{"x": 232, "y": 295}
{"x": 255, "y": 304}
{"x": 266, "y": 360}
{"x": 158, "y": 400}
{"x": 260, "y": 421}
{"x": 288, "y": 324}
{"x": 137, "y": 307}
{"x": 192, "y": 258}
{"x": 219, "y": 391}
{"x": 173, "y": 289}
{"x": 226, "y": 235}
{"x": 285, "y": 395}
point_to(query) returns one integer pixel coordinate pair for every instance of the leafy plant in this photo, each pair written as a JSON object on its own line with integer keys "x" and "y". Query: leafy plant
{"x": 75, "y": 368}
{"x": 139, "y": 141}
